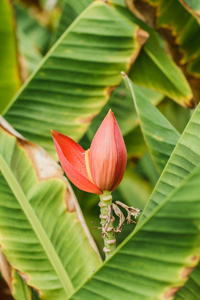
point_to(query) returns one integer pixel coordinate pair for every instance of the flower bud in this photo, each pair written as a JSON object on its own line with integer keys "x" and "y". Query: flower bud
{"x": 100, "y": 168}
{"x": 108, "y": 154}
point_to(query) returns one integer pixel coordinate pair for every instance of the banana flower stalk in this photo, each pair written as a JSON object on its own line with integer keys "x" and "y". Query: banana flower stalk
{"x": 98, "y": 170}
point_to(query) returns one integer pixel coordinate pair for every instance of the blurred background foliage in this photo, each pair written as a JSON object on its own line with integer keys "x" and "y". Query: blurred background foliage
{"x": 166, "y": 68}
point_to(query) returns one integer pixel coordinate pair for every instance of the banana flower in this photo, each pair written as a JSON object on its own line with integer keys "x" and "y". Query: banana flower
{"x": 100, "y": 168}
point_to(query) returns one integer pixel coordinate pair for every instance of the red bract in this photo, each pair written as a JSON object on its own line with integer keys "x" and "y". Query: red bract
{"x": 102, "y": 167}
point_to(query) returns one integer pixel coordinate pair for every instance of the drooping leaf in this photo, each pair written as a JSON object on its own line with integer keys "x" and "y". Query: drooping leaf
{"x": 9, "y": 72}
{"x": 179, "y": 30}
{"x": 154, "y": 262}
{"x": 75, "y": 79}
{"x": 160, "y": 136}
{"x": 153, "y": 68}
{"x": 42, "y": 232}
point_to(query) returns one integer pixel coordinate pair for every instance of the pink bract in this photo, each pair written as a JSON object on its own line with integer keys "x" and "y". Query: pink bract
{"x": 104, "y": 168}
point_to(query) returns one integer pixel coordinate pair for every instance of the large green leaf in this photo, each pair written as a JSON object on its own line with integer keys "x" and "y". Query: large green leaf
{"x": 40, "y": 232}
{"x": 9, "y": 74}
{"x": 157, "y": 258}
{"x": 74, "y": 80}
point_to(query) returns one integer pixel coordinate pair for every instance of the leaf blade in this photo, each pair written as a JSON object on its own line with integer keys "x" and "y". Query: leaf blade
{"x": 42, "y": 236}
{"x": 76, "y": 76}
{"x": 43, "y": 201}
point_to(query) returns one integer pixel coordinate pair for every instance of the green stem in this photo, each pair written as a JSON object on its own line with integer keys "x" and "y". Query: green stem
{"x": 108, "y": 234}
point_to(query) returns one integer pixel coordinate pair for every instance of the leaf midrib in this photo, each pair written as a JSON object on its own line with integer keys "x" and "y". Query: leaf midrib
{"x": 37, "y": 227}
